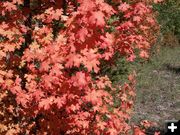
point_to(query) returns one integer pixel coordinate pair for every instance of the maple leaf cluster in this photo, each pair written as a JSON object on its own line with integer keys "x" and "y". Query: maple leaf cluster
{"x": 55, "y": 72}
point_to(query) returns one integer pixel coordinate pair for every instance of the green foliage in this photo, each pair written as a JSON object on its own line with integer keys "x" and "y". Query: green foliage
{"x": 169, "y": 16}
{"x": 118, "y": 71}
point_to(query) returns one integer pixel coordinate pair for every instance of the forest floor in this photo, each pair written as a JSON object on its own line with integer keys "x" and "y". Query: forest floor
{"x": 158, "y": 88}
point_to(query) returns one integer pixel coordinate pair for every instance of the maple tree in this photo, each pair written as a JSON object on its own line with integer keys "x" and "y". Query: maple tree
{"x": 51, "y": 53}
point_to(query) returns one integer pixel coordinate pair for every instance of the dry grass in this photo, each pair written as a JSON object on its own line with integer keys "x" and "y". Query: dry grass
{"x": 158, "y": 88}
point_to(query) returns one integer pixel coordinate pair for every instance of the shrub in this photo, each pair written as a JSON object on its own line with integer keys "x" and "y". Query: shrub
{"x": 51, "y": 60}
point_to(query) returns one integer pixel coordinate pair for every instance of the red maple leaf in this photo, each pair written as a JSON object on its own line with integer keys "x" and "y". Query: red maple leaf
{"x": 97, "y": 18}
{"x": 91, "y": 59}
{"x": 124, "y": 7}
{"x": 82, "y": 33}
